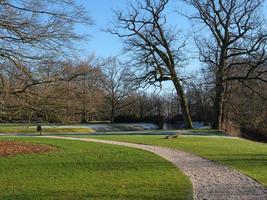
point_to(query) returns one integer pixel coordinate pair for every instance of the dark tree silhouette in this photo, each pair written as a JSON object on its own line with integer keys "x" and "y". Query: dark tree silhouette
{"x": 235, "y": 49}
{"x": 154, "y": 47}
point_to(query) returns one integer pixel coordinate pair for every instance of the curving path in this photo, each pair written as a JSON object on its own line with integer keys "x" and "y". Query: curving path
{"x": 210, "y": 180}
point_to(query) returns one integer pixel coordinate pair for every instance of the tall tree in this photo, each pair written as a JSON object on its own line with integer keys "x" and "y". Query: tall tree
{"x": 34, "y": 33}
{"x": 154, "y": 47}
{"x": 237, "y": 42}
{"x": 117, "y": 85}
{"x": 200, "y": 95}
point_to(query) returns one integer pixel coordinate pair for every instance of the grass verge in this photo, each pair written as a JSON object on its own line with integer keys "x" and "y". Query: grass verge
{"x": 244, "y": 155}
{"x": 9, "y": 129}
{"x": 83, "y": 170}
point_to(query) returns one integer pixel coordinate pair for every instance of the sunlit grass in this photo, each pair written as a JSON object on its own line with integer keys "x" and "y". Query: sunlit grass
{"x": 244, "y": 155}
{"x": 85, "y": 170}
{"x": 32, "y": 129}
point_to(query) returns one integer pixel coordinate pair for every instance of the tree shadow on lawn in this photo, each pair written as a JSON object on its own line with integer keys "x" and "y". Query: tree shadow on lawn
{"x": 108, "y": 186}
{"x": 96, "y": 195}
{"x": 95, "y": 166}
{"x": 243, "y": 160}
{"x": 136, "y": 133}
{"x": 191, "y": 132}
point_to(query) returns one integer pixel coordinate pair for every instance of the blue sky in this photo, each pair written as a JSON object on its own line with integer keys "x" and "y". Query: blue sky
{"x": 104, "y": 44}
{"x": 101, "y": 43}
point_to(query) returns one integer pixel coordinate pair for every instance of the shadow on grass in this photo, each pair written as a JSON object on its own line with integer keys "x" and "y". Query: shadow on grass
{"x": 95, "y": 195}
{"x": 191, "y": 132}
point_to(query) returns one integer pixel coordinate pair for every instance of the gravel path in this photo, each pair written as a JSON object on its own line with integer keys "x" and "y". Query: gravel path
{"x": 211, "y": 181}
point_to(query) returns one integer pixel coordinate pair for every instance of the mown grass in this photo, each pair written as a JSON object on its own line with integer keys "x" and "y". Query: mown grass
{"x": 244, "y": 155}
{"x": 32, "y": 129}
{"x": 204, "y": 132}
{"x": 83, "y": 170}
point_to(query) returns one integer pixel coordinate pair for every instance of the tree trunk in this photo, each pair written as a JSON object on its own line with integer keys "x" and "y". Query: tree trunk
{"x": 183, "y": 103}
{"x": 218, "y": 102}
{"x": 205, "y": 111}
{"x": 112, "y": 114}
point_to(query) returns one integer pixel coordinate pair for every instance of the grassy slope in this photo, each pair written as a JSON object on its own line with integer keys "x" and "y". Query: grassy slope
{"x": 30, "y": 129}
{"x": 82, "y": 170}
{"x": 246, "y": 156}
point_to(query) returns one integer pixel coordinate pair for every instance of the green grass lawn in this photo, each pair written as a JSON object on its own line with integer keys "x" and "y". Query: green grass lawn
{"x": 85, "y": 170}
{"x": 244, "y": 155}
{"x": 6, "y": 129}
{"x": 204, "y": 132}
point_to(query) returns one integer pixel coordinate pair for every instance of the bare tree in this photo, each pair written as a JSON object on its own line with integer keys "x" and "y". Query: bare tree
{"x": 199, "y": 92}
{"x": 117, "y": 85}
{"x": 78, "y": 99}
{"x": 34, "y": 33}
{"x": 237, "y": 42}
{"x": 156, "y": 51}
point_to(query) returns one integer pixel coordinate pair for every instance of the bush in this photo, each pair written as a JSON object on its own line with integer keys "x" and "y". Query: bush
{"x": 126, "y": 119}
{"x": 254, "y": 133}
{"x": 157, "y": 119}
